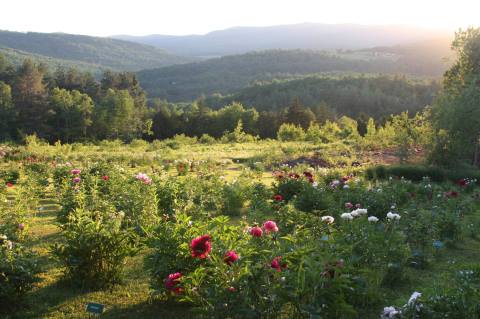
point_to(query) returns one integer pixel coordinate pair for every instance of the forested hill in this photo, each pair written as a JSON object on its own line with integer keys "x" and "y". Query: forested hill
{"x": 85, "y": 52}
{"x": 317, "y": 36}
{"x": 229, "y": 74}
{"x": 352, "y": 96}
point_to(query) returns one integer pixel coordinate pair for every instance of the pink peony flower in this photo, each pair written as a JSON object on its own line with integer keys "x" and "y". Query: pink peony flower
{"x": 76, "y": 180}
{"x": 256, "y": 231}
{"x": 230, "y": 257}
{"x": 349, "y": 205}
{"x": 172, "y": 281}
{"x": 75, "y": 171}
{"x": 270, "y": 226}
{"x": 21, "y": 226}
{"x": 201, "y": 246}
{"x": 144, "y": 178}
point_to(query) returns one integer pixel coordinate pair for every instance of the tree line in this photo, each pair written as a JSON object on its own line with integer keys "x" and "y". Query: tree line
{"x": 70, "y": 106}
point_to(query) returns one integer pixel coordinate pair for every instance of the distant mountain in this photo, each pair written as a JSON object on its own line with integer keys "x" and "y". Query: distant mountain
{"x": 315, "y": 36}
{"x": 85, "y": 52}
{"x": 227, "y": 75}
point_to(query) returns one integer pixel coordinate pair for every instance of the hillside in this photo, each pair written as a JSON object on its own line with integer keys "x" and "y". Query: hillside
{"x": 84, "y": 51}
{"x": 229, "y": 74}
{"x": 375, "y": 96}
{"x": 315, "y": 36}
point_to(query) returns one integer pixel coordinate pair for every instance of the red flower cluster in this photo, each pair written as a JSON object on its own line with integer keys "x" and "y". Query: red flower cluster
{"x": 230, "y": 257}
{"x": 201, "y": 246}
{"x": 293, "y": 175}
{"x": 463, "y": 182}
{"x": 309, "y": 176}
{"x": 172, "y": 283}
{"x": 278, "y": 198}
{"x": 278, "y": 264}
{"x": 256, "y": 231}
{"x": 451, "y": 194}
{"x": 279, "y": 175}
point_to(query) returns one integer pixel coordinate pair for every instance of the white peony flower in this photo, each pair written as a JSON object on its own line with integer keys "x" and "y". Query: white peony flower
{"x": 346, "y": 186}
{"x": 372, "y": 219}
{"x": 390, "y": 313}
{"x": 346, "y": 216}
{"x": 328, "y": 219}
{"x": 414, "y": 297}
{"x": 393, "y": 216}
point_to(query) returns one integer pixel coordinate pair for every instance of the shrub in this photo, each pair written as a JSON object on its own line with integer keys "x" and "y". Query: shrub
{"x": 290, "y": 132}
{"x": 206, "y": 139}
{"x": 95, "y": 248}
{"x": 18, "y": 272}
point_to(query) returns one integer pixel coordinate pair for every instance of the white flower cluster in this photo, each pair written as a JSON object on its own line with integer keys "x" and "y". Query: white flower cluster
{"x": 372, "y": 219}
{"x": 328, "y": 219}
{"x": 392, "y": 312}
{"x": 393, "y": 216}
{"x": 355, "y": 213}
{"x": 359, "y": 212}
{"x": 7, "y": 243}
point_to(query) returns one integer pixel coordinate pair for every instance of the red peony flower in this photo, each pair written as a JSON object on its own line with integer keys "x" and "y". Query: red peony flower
{"x": 270, "y": 226}
{"x": 462, "y": 182}
{"x": 293, "y": 175}
{"x": 451, "y": 194}
{"x": 278, "y": 198}
{"x": 349, "y": 205}
{"x": 308, "y": 174}
{"x": 256, "y": 231}
{"x": 172, "y": 281}
{"x": 230, "y": 257}
{"x": 232, "y": 289}
{"x": 9, "y": 184}
{"x": 201, "y": 246}
{"x": 105, "y": 178}
{"x": 278, "y": 264}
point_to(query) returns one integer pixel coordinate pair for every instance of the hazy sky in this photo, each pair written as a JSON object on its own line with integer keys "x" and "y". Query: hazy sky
{"x": 139, "y": 17}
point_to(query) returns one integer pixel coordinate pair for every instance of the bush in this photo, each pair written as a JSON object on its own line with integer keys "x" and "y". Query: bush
{"x": 290, "y": 132}
{"x": 18, "y": 272}
{"x": 95, "y": 248}
{"x": 206, "y": 139}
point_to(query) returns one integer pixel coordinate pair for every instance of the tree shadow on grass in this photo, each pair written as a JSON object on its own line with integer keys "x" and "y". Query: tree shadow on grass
{"x": 43, "y": 300}
{"x": 151, "y": 310}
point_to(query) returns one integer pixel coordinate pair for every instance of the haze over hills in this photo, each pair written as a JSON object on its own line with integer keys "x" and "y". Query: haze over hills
{"x": 316, "y": 36}
{"x": 85, "y": 52}
{"x": 226, "y": 75}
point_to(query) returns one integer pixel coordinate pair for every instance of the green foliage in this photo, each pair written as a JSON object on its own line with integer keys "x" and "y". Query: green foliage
{"x": 290, "y": 132}
{"x": 95, "y": 248}
{"x": 19, "y": 271}
{"x": 455, "y": 112}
